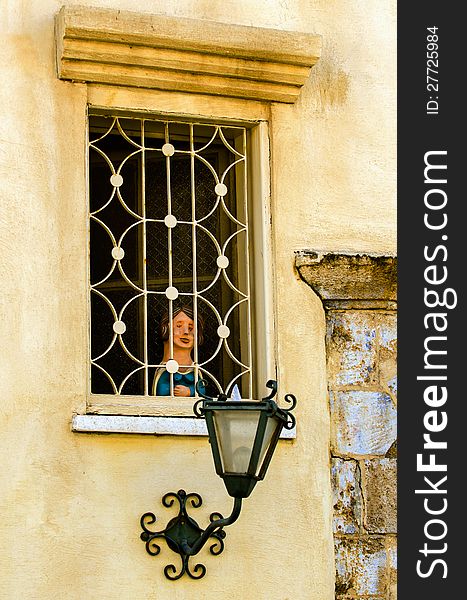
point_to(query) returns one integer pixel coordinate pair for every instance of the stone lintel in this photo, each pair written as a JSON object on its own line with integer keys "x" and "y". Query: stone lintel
{"x": 179, "y": 54}
{"x": 350, "y": 281}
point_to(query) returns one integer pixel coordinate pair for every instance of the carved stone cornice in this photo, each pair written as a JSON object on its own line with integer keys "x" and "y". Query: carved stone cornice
{"x": 186, "y": 55}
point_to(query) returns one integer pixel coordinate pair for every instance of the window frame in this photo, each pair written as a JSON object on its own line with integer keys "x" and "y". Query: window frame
{"x": 261, "y": 276}
{"x": 161, "y": 65}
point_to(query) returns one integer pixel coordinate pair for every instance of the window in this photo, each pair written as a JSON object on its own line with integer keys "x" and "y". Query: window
{"x": 173, "y": 260}
{"x": 222, "y": 72}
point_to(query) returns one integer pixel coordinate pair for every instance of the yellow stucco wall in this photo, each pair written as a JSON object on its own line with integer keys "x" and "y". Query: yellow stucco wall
{"x": 71, "y": 503}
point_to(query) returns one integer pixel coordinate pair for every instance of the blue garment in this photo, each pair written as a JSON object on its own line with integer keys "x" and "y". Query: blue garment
{"x": 186, "y": 379}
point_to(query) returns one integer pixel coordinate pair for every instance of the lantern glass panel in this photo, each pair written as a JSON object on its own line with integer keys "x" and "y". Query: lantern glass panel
{"x": 236, "y": 433}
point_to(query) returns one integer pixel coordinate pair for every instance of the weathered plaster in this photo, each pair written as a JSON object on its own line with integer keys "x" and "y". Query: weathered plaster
{"x": 363, "y": 422}
{"x": 361, "y": 568}
{"x": 347, "y": 496}
{"x": 380, "y": 483}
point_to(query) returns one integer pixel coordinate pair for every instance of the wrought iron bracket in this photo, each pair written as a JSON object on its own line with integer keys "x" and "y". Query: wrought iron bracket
{"x": 183, "y": 534}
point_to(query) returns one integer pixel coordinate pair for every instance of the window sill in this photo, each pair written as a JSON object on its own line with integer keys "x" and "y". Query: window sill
{"x": 147, "y": 425}
{"x": 139, "y": 406}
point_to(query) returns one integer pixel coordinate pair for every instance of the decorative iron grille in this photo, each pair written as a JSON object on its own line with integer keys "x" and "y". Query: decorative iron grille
{"x": 168, "y": 228}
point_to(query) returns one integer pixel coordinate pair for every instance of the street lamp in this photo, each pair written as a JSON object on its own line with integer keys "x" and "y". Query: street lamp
{"x": 243, "y": 435}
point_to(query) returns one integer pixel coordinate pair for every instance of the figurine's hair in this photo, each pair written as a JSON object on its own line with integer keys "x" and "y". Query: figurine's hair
{"x": 164, "y": 329}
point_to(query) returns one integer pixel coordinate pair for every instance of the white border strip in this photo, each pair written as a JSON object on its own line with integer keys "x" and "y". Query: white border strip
{"x": 147, "y": 425}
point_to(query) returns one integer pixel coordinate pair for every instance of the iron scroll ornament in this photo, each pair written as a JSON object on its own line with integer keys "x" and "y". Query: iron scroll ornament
{"x": 182, "y": 534}
{"x": 273, "y": 408}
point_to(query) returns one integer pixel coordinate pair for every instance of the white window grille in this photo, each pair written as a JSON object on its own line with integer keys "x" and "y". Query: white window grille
{"x": 169, "y": 229}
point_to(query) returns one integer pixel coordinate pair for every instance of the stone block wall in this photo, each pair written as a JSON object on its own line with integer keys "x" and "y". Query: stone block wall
{"x": 361, "y": 350}
{"x": 358, "y": 293}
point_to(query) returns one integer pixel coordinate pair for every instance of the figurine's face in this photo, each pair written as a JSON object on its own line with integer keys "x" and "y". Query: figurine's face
{"x": 183, "y": 331}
